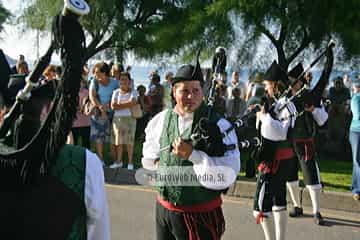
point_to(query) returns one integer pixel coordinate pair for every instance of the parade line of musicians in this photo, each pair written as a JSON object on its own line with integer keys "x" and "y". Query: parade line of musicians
{"x": 191, "y": 123}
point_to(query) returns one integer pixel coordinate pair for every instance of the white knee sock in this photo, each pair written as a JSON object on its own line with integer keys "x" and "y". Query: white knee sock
{"x": 267, "y": 225}
{"x": 280, "y": 221}
{"x": 315, "y": 191}
{"x": 294, "y": 191}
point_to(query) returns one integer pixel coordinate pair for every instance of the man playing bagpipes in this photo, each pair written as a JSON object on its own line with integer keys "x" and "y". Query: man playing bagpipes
{"x": 275, "y": 155}
{"x": 311, "y": 113}
{"x": 190, "y": 136}
{"x": 50, "y": 190}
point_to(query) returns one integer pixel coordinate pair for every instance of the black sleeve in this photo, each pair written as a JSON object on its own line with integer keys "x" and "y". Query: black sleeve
{"x": 318, "y": 90}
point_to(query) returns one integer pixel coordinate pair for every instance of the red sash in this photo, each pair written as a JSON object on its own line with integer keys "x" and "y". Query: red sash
{"x": 203, "y": 207}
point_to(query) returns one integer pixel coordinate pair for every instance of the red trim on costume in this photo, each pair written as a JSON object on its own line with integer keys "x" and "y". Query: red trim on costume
{"x": 264, "y": 167}
{"x": 203, "y": 207}
{"x": 284, "y": 153}
{"x": 309, "y": 147}
{"x": 280, "y": 154}
{"x": 260, "y": 217}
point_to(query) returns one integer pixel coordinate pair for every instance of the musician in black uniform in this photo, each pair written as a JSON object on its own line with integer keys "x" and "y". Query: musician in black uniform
{"x": 311, "y": 113}
{"x": 276, "y": 154}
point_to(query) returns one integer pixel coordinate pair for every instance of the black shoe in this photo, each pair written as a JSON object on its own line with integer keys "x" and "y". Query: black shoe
{"x": 296, "y": 212}
{"x": 318, "y": 219}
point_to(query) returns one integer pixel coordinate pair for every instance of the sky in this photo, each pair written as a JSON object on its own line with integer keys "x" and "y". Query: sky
{"x": 13, "y": 41}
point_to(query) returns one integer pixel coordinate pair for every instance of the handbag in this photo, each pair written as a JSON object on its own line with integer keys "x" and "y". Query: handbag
{"x": 136, "y": 111}
{"x": 87, "y": 107}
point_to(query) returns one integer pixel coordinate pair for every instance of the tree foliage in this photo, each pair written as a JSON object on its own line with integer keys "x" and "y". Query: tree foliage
{"x": 4, "y": 15}
{"x": 146, "y": 28}
{"x": 293, "y": 25}
{"x": 180, "y": 27}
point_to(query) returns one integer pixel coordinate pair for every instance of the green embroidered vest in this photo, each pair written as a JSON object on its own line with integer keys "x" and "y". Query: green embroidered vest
{"x": 181, "y": 195}
{"x": 69, "y": 168}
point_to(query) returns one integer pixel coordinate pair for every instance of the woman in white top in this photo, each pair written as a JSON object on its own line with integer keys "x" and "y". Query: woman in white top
{"x": 123, "y": 125}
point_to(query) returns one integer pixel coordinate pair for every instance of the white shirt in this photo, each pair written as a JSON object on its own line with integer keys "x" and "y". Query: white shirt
{"x": 201, "y": 161}
{"x": 97, "y": 210}
{"x": 119, "y": 97}
{"x": 239, "y": 85}
{"x": 320, "y": 115}
{"x": 274, "y": 129}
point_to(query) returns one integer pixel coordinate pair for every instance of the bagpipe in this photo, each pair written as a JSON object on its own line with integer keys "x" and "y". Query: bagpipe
{"x": 314, "y": 96}
{"x": 24, "y": 164}
{"x": 206, "y": 135}
{"x": 296, "y": 114}
{"x": 274, "y": 105}
{"x": 311, "y": 97}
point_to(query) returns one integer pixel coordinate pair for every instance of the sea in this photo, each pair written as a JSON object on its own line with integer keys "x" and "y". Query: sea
{"x": 140, "y": 74}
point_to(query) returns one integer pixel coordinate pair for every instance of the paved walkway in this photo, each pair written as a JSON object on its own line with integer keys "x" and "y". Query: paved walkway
{"x": 246, "y": 189}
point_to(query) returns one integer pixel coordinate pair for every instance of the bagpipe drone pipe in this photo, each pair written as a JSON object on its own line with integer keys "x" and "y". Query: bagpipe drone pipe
{"x": 34, "y": 203}
{"x": 25, "y": 163}
{"x": 312, "y": 96}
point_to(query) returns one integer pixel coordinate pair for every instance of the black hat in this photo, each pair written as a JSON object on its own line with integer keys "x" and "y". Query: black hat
{"x": 188, "y": 73}
{"x": 295, "y": 73}
{"x": 275, "y": 73}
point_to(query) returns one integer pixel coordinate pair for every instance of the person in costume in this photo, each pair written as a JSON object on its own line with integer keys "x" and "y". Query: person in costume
{"x": 311, "y": 114}
{"x": 50, "y": 190}
{"x": 275, "y": 155}
{"x": 190, "y": 212}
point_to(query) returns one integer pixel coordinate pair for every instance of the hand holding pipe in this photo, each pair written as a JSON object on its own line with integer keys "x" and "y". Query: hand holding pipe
{"x": 241, "y": 121}
{"x": 253, "y": 142}
{"x": 298, "y": 114}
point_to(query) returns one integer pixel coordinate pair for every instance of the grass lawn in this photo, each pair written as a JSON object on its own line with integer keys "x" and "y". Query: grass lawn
{"x": 335, "y": 173}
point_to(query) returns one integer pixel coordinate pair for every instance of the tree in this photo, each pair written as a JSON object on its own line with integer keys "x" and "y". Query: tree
{"x": 147, "y": 28}
{"x": 4, "y": 15}
{"x": 292, "y": 25}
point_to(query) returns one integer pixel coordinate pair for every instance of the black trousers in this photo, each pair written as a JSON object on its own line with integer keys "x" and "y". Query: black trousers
{"x": 309, "y": 167}
{"x": 171, "y": 225}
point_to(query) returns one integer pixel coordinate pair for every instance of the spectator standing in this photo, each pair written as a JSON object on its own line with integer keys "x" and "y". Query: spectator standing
{"x": 145, "y": 103}
{"x": 235, "y": 83}
{"x": 338, "y": 116}
{"x": 100, "y": 92}
{"x": 116, "y": 70}
{"x": 347, "y": 81}
{"x": 81, "y": 125}
{"x": 354, "y": 138}
{"x": 156, "y": 93}
{"x": 168, "y": 100}
{"x": 339, "y": 94}
{"x": 220, "y": 99}
{"x": 236, "y": 106}
{"x": 20, "y": 60}
{"x": 123, "y": 125}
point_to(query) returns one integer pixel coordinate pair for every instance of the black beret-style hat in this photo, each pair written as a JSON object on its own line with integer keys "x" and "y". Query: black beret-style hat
{"x": 275, "y": 73}
{"x": 189, "y": 72}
